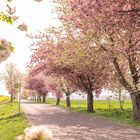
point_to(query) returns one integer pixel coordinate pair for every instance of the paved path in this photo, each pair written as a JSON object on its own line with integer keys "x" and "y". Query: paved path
{"x": 67, "y": 125}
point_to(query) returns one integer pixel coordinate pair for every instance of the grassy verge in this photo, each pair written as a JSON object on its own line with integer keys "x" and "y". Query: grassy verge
{"x": 3, "y": 99}
{"x": 102, "y": 109}
{"x": 11, "y": 124}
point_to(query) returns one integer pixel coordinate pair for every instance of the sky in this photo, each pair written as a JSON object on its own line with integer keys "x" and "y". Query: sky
{"x": 37, "y": 16}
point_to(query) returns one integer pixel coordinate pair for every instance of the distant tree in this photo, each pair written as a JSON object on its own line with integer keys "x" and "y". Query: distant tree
{"x": 58, "y": 85}
{"x": 53, "y": 86}
{"x": 120, "y": 95}
{"x": 67, "y": 89}
{"x": 38, "y": 84}
{"x": 109, "y": 98}
{"x": 11, "y": 76}
{"x": 28, "y": 93}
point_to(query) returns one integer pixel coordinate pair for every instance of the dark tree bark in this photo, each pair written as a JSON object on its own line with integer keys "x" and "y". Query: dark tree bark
{"x": 68, "y": 102}
{"x": 44, "y": 98}
{"x": 135, "y": 97}
{"x": 90, "y": 102}
{"x": 11, "y": 98}
{"x": 58, "y": 101}
{"x": 121, "y": 105}
{"x": 120, "y": 76}
{"x": 86, "y": 82}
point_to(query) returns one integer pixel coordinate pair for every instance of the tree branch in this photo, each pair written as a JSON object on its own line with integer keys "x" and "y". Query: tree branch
{"x": 120, "y": 76}
{"x": 129, "y": 11}
{"x": 132, "y": 65}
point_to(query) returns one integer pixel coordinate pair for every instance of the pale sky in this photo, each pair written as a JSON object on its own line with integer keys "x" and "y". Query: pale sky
{"x": 37, "y": 16}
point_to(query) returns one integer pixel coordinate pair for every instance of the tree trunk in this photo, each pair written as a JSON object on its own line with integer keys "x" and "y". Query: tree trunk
{"x": 135, "y": 97}
{"x": 121, "y": 105}
{"x": 44, "y": 98}
{"x": 38, "y": 98}
{"x": 11, "y": 98}
{"x": 90, "y": 102}
{"x": 68, "y": 102}
{"x": 57, "y": 100}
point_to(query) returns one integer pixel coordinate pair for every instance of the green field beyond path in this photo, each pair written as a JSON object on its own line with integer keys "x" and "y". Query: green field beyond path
{"x": 102, "y": 109}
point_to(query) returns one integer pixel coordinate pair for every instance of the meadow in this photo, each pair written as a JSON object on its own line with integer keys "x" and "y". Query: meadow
{"x": 11, "y": 123}
{"x": 102, "y": 110}
{"x": 3, "y": 99}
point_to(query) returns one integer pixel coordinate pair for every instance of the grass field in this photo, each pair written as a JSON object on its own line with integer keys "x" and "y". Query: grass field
{"x": 3, "y": 99}
{"x": 102, "y": 109}
{"x": 11, "y": 124}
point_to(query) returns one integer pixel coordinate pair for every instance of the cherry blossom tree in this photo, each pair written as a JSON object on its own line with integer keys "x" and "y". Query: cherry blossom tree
{"x": 68, "y": 89}
{"x": 11, "y": 76}
{"x": 113, "y": 27}
{"x": 70, "y": 57}
{"x": 53, "y": 86}
{"x": 58, "y": 85}
{"x": 38, "y": 84}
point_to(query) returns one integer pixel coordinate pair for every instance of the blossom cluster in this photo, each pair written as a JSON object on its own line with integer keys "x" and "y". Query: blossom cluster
{"x": 40, "y": 132}
{"x": 5, "y": 49}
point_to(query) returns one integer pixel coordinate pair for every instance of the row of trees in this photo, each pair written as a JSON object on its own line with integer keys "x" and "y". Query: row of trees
{"x": 117, "y": 28}
{"x": 42, "y": 86}
{"x": 96, "y": 46}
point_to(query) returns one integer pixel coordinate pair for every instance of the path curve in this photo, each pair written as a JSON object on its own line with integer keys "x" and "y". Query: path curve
{"x": 68, "y": 125}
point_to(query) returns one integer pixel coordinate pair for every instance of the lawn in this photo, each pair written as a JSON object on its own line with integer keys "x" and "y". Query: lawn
{"x": 3, "y": 99}
{"x": 11, "y": 124}
{"x": 102, "y": 110}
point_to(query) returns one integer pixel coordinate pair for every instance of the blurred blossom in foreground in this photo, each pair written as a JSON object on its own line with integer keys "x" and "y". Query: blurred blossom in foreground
{"x": 5, "y": 49}
{"x": 40, "y": 132}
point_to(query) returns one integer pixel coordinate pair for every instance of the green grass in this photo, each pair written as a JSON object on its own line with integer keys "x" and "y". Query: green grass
{"x": 102, "y": 110}
{"x": 3, "y": 99}
{"x": 11, "y": 124}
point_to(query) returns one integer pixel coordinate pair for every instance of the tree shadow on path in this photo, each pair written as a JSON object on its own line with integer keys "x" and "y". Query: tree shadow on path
{"x": 67, "y": 125}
